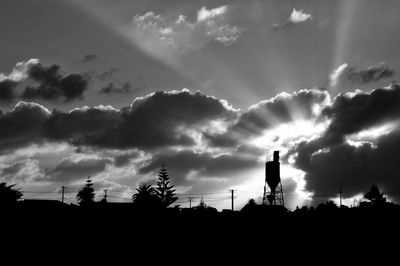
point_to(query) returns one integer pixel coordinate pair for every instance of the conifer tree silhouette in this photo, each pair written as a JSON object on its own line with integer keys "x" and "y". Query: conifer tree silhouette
{"x": 85, "y": 196}
{"x": 202, "y": 205}
{"x": 164, "y": 190}
{"x": 9, "y": 195}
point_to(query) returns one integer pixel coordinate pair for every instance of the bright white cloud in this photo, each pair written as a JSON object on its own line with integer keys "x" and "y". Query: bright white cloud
{"x": 204, "y": 14}
{"x": 351, "y": 75}
{"x": 154, "y": 31}
{"x": 334, "y": 77}
{"x": 20, "y": 71}
{"x": 371, "y": 135}
{"x": 298, "y": 16}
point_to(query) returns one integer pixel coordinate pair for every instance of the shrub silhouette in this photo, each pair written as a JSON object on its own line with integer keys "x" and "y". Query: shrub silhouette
{"x": 203, "y": 208}
{"x": 9, "y": 195}
{"x": 250, "y": 206}
{"x": 375, "y": 196}
{"x": 85, "y": 196}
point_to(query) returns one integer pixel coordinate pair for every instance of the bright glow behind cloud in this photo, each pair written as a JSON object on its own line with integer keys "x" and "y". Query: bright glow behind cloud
{"x": 280, "y": 136}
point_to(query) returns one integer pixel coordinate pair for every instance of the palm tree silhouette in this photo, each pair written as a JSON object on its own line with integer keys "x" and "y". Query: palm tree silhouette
{"x": 9, "y": 195}
{"x": 145, "y": 196}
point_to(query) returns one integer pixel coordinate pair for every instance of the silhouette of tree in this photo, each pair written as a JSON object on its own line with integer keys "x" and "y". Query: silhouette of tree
{"x": 146, "y": 197}
{"x": 9, "y": 195}
{"x": 250, "y": 205}
{"x": 164, "y": 190}
{"x": 328, "y": 207}
{"x": 204, "y": 209}
{"x": 85, "y": 196}
{"x": 375, "y": 196}
{"x": 202, "y": 205}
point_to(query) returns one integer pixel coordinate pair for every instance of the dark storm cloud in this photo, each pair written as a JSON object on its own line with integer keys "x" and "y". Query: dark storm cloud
{"x": 330, "y": 158}
{"x": 52, "y": 84}
{"x": 7, "y": 93}
{"x": 267, "y": 114}
{"x": 182, "y": 163}
{"x": 362, "y": 165}
{"x": 353, "y": 112}
{"x": 81, "y": 125}
{"x": 112, "y": 88}
{"x": 41, "y": 82}
{"x": 157, "y": 120}
{"x": 161, "y": 119}
{"x": 22, "y": 126}
{"x": 347, "y": 74}
{"x": 69, "y": 171}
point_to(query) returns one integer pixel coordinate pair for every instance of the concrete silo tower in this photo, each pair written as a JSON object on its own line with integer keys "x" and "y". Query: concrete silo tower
{"x": 274, "y": 194}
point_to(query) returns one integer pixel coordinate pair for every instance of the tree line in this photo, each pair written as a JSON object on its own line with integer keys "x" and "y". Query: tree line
{"x": 146, "y": 196}
{"x": 163, "y": 195}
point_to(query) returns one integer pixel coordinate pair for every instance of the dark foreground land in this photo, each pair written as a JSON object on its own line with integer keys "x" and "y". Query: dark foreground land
{"x": 267, "y": 228}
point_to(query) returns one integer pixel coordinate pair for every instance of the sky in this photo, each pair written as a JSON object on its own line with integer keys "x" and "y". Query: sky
{"x": 112, "y": 89}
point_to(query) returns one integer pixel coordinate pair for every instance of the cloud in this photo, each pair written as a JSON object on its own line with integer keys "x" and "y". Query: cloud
{"x": 182, "y": 33}
{"x": 114, "y": 85}
{"x": 161, "y": 119}
{"x": 336, "y": 75}
{"x": 112, "y": 88}
{"x": 20, "y": 71}
{"x": 22, "y": 126}
{"x": 107, "y": 74}
{"x": 267, "y": 114}
{"x": 53, "y": 85}
{"x": 156, "y": 120}
{"x": 362, "y": 165}
{"x": 209, "y": 145}
{"x": 354, "y": 112}
{"x": 346, "y": 74}
{"x": 69, "y": 170}
{"x": 334, "y": 155}
{"x": 12, "y": 169}
{"x": 125, "y": 158}
{"x": 7, "y": 87}
{"x": 41, "y": 82}
{"x": 90, "y": 58}
{"x": 9, "y": 82}
{"x": 187, "y": 166}
{"x": 297, "y": 16}
{"x": 21, "y": 171}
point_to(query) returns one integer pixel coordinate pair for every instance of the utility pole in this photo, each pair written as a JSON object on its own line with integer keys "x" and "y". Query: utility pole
{"x": 62, "y": 193}
{"x": 340, "y": 191}
{"x": 232, "y": 197}
{"x": 190, "y": 201}
{"x": 105, "y": 194}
